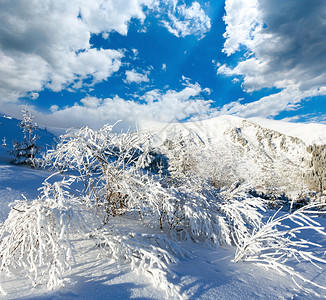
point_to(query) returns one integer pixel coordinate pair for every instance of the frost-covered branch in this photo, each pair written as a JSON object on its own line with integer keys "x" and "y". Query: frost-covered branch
{"x": 35, "y": 240}
{"x": 273, "y": 244}
{"x": 148, "y": 254}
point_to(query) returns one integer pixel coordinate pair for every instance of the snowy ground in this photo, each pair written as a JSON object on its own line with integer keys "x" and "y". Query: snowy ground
{"x": 208, "y": 274}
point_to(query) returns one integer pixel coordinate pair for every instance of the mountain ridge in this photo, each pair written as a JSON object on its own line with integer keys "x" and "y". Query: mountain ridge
{"x": 227, "y": 149}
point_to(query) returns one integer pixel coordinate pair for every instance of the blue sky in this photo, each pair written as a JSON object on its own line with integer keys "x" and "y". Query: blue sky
{"x": 94, "y": 62}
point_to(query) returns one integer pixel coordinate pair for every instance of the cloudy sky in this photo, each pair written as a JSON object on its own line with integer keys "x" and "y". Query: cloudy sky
{"x": 83, "y": 62}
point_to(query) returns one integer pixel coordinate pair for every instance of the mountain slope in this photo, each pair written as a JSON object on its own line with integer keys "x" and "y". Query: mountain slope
{"x": 229, "y": 149}
{"x": 312, "y": 133}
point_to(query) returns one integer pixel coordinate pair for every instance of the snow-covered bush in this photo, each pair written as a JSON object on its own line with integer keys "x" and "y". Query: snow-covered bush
{"x": 35, "y": 238}
{"x": 182, "y": 159}
{"x": 112, "y": 168}
{"x": 274, "y": 243}
{"x": 148, "y": 254}
{"x": 106, "y": 163}
{"x": 109, "y": 175}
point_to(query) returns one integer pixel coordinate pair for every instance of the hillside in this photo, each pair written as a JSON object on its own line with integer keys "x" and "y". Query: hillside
{"x": 229, "y": 149}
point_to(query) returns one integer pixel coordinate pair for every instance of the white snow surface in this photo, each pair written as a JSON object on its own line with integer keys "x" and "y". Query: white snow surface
{"x": 310, "y": 133}
{"x": 208, "y": 274}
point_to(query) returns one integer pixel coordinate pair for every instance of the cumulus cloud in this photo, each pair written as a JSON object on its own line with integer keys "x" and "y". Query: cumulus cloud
{"x": 156, "y": 105}
{"x": 285, "y": 45}
{"x": 287, "y": 99}
{"x": 33, "y": 95}
{"x": 54, "y": 108}
{"x": 46, "y": 44}
{"x": 183, "y": 20}
{"x": 19, "y": 74}
{"x": 99, "y": 64}
{"x": 134, "y": 76}
{"x": 242, "y": 20}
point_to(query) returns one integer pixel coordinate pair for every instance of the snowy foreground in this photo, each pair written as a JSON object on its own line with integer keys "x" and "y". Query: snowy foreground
{"x": 206, "y": 274}
{"x": 105, "y": 222}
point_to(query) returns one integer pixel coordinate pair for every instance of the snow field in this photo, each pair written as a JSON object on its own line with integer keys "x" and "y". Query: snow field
{"x": 202, "y": 272}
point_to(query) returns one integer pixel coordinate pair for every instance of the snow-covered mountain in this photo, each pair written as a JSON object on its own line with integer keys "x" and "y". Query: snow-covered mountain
{"x": 271, "y": 156}
{"x": 228, "y": 149}
{"x": 312, "y": 133}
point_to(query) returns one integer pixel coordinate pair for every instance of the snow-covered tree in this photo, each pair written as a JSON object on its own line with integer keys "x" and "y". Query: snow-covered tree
{"x": 24, "y": 152}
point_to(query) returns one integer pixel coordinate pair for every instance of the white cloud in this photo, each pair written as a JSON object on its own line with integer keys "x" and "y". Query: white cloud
{"x": 135, "y": 53}
{"x": 242, "y": 21}
{"x": 100, "y": 64}
{"x": 156, "y": 106}
{"x": 134, "y": 76}
{"x": 286, "y": 49}
{"x": 46, "y": 43}
{"x": 271, "y": 105}
{"x": 33, "y": 95}
{"x": 20, "y": 73}
{"x": 54, "y": 108}
{"x": 185, "y": 20}
{"x": 90, "y": 102}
